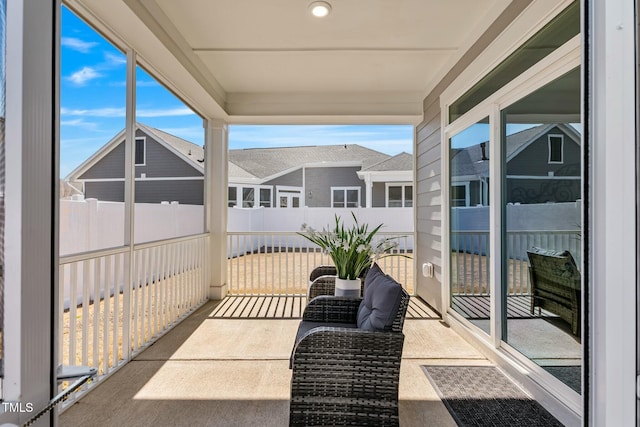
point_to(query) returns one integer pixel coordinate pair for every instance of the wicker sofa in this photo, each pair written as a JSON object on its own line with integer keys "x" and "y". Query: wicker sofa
{"x": 346, "y": 372}
{"x": 556, "y": 285}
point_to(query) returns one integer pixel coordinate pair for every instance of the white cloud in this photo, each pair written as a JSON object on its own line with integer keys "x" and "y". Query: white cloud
{"x": 94, "y": 112}
{"x": 120, "y": 112}
{"x": 114, "y": 60}
{"x": 83, "y": 75}
{"x": 77, "y": 44}
{"x": 168, "y": 112}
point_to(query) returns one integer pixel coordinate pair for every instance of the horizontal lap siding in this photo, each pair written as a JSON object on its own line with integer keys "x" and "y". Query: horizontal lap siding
{"x": 428, "y": 202}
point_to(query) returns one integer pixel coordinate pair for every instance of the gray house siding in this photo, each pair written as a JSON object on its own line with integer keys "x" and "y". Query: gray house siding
{"x": 292, "y": 179}
{"x": 533, "y": 161}
{"x": 110, "y": 166}
{"x": 109, "y": 191}
{"x": 319, "y": 181}
{"x": 185, "y": 192}
{"x": 161, "y": 162}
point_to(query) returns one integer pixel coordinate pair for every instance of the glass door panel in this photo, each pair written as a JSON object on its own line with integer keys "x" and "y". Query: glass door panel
{"x": 541, "y": 238}
{"x": 469, "y": 223}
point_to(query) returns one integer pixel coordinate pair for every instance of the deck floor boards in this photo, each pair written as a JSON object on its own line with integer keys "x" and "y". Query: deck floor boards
{"x": 478, "y": 307}
{"x": 292, "y": 306}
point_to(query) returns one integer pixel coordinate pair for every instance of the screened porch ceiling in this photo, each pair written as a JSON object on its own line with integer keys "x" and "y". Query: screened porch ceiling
{"x": 246, "y": 61}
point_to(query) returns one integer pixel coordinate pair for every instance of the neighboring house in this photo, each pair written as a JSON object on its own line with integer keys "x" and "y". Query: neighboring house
{"x": 313, "y": 176}
{"x": 169, "y": 168}
{"x": 543, "y": 165}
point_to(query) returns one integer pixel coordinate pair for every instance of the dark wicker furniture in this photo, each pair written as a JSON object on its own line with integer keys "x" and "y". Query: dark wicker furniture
{"x": 343, "y": 375}
{"x": 556, "y": 285}
{"x": 322, "y": 281}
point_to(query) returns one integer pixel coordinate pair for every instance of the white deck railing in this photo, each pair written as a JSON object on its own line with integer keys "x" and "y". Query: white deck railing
{"x": 118, "y": 310}
{"x": 279, "y": 263}
{"x": 470, "y": 260}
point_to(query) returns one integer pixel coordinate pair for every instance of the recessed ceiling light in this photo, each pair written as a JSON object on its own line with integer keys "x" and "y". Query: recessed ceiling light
{"x": 320, "y": 9}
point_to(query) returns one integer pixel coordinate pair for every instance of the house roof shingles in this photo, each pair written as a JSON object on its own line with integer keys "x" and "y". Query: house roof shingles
{"x": 265, "y": 162}
{"x": 399, "y": 162}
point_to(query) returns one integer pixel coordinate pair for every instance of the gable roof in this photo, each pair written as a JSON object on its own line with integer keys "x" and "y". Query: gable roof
{"x": 183, "y": 149}
{"x": 265, "y": 163}
{"x": 468, "y": 161}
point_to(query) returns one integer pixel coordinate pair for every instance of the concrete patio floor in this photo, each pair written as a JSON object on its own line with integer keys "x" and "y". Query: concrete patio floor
{"x": 210, "y": 371}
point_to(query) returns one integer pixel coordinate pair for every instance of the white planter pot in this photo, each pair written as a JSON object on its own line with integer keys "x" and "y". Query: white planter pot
{"x": 347, "y": 288}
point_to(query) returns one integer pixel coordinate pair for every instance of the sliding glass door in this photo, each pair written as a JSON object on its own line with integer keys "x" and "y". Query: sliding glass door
{"x": 470, "y": 292}
{"x": 541, "y": 236}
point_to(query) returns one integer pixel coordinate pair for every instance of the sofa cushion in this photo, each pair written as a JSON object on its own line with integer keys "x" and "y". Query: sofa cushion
{"x": 373, "y": 271}
{"x": 380, "y": 304}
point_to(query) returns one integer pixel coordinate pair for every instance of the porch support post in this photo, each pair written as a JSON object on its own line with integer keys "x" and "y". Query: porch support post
{"x": 369, "y": 190}
{"x": 216, "y": 176}
{"x": 31, "y": 196}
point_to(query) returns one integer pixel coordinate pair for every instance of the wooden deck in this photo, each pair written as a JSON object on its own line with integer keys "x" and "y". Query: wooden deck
{"x": 477, "y": 307}
{"x": 291, "y": 307}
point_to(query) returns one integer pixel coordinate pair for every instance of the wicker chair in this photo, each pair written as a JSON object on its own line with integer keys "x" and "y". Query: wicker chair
{"x": 555, "y": 285}
{"x": 322, "y": 281}
{"x": 343, "y": 375}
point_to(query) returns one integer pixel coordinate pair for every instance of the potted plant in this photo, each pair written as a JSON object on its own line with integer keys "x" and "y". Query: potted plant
{"x": 352, "y": 250}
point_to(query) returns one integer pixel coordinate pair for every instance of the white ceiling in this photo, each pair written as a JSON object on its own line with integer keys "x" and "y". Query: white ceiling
{"x": 270, "y": 60}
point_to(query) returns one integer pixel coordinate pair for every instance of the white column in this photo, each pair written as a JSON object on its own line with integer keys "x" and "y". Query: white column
{"x": 31, "y": 253}
{"x": 216, "y": 183}
{"x": 612, "y": 183}
{"x": 369, "y": 191}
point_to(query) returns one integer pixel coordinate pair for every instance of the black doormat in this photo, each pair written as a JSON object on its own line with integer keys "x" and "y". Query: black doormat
{"x": 483, "y": 396}
{"x": 570, "y": 375}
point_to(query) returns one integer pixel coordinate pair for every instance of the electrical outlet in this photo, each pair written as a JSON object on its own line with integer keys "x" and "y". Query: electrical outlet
{"x": 427, "y": 269}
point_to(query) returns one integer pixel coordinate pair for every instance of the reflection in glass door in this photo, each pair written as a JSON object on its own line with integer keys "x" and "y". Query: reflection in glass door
{"x": 469, "y": 223}
{"x": 542, "y": 247}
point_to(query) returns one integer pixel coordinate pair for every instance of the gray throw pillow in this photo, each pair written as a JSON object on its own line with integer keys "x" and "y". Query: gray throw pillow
{"x": 380, "y": 304}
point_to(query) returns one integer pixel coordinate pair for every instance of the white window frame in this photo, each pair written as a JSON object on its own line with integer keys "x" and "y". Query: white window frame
{"x": 235, "y": 201}
{"x": 144, "y": 150}
{"x": 549, "y": 137}
{"x": 402, "y": 185}
{"x": 259, "y": 199}
{"x": 467, "y": 196}
{"x": 345, "y": 189}
{"x": 239, "y": 201}
{"x": 285, "y": 190}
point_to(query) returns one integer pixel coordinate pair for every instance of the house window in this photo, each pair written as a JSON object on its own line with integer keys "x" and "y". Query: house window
{"x": 141, "y": 155}
{"x": 399, "y": 196}
{"x": 265, "y": 197}
{"x": 556, "y": 148}
{"x": 248, "y": 197}
{"x": 345, "y": 197}
{"x": 459, "y": 195}
{"x": 232, "y": 196}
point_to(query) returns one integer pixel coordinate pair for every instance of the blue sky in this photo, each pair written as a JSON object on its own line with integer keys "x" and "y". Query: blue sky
{"x": 92, "y": 102}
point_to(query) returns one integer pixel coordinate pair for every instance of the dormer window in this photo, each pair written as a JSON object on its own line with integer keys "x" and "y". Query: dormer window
{"x": 141, "y": 155}
{"x": 556, "y": 149}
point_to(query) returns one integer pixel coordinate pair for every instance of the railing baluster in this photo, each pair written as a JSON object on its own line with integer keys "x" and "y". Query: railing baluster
{"x": 86, "y": 270}
{"x": 72, "y": 313}
{"x": 106, "y": 332}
